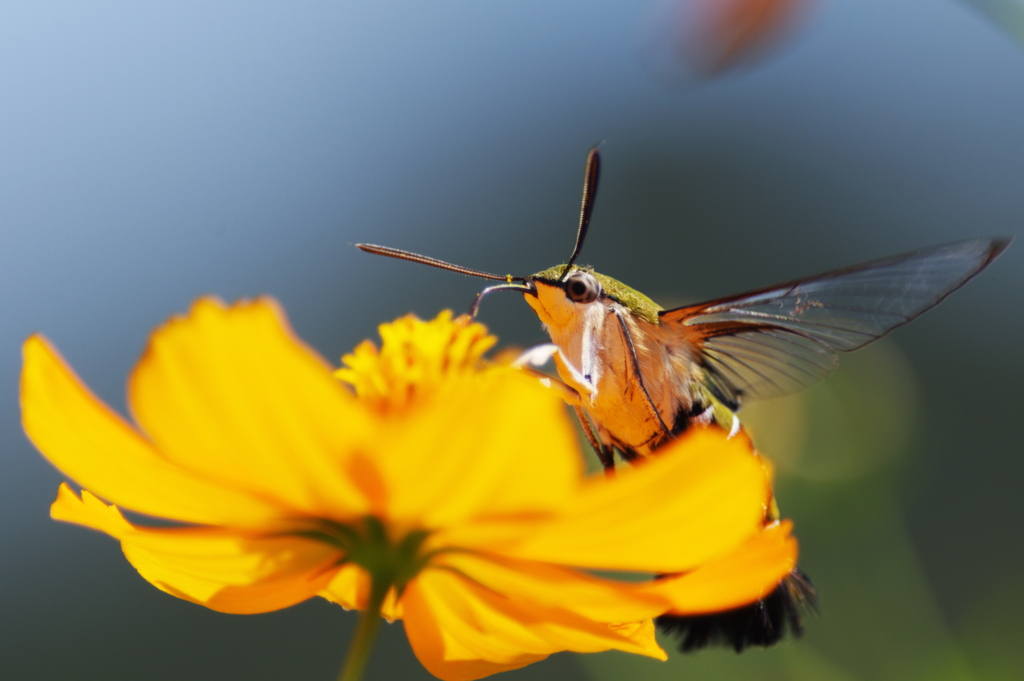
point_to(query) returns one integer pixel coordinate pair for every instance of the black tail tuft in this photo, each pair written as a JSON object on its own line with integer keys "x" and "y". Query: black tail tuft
{"x": 763, "y": 623}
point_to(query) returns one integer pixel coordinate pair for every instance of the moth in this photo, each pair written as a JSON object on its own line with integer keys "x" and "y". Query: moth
{"x": 639, "y": 375}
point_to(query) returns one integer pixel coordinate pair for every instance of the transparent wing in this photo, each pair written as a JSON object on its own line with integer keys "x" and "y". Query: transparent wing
{"x": 783, "y": 338}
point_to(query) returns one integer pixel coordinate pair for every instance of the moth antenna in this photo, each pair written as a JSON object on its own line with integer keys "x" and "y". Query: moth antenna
{"x": 434, "y": 262}
{"x": 590, "y": 178}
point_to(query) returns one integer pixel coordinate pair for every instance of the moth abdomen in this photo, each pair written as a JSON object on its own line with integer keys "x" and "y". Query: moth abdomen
{"x": 762, "y": 623}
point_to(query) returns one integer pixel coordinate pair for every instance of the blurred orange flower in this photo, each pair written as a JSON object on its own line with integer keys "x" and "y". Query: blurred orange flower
{"x": 708, "y": 37}
{"x": 445, "y": 492}
{"x": 735, "y": 29}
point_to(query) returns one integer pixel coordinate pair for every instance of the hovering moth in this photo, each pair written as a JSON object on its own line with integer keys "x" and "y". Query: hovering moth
{"x": 642, "y": 374}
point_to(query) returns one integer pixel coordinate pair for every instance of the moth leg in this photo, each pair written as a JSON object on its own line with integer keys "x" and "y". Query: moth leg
{"x": 628, "y": 453}
{"x": 636, "y": 371}
{"x": 537, "y": 356}
{"x": 572, "y": 376}
{"x": 568, "y": 394}
{"x": 604, "y": 452}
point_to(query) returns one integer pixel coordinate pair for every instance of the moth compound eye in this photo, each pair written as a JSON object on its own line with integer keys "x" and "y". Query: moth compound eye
{"x": 582, "y": 287}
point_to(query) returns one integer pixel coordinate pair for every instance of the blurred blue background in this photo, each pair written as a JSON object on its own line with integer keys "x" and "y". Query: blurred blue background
{"x": 153, "y": 153}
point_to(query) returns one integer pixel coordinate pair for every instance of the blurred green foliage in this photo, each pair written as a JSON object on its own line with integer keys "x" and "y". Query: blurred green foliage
{"x": 1008, "y": 14}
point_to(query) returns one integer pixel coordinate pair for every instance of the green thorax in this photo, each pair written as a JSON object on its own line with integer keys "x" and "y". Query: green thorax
{"x": 639, "y": 304}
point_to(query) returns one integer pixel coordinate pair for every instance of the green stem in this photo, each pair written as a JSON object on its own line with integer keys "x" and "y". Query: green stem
{"x": 366, "y": 632}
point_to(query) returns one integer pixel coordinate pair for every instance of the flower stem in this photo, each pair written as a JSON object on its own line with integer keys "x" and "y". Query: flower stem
{"x": 366, "y": 632}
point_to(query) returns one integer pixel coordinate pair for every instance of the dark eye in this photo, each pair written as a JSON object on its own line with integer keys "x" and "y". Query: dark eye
{"x": 582, "y": 287}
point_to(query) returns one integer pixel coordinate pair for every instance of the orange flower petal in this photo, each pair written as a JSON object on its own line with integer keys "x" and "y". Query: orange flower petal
{"x": 90, "y": 443}
{"x": 604, "y": 600}
{"x": 739, "y": 578}
{"x": 221, "y": 569}
{"x": 461, "y": 631}
{"x": 698, "y": 499}
{"x": 232, "y": 395}
{"x": 492, "y": 445}
{"x": 738, "y": 29}
{"x": 643, "y": 634}
{"x": 350, "y": 588}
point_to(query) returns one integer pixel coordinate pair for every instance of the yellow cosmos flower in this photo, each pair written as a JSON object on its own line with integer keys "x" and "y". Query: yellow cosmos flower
{"x": 466, "y": 514}
{"x": 415, "y": 358}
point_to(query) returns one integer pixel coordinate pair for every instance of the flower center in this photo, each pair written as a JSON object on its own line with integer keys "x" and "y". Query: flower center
{"x": 389, "y": 562}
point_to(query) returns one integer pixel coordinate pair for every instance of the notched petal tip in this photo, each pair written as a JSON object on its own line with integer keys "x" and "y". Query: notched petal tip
{"x": 88, "y": 511}
{"x": 263, "y": 313}
{"x": 93, "y": 445}
{"x": 232, "y": 395}
{"x": 232, "y": 572}
{"x": 643, "y": 634}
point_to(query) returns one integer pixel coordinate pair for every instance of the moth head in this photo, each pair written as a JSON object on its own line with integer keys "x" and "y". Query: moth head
{"x": 558, "y": 300}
